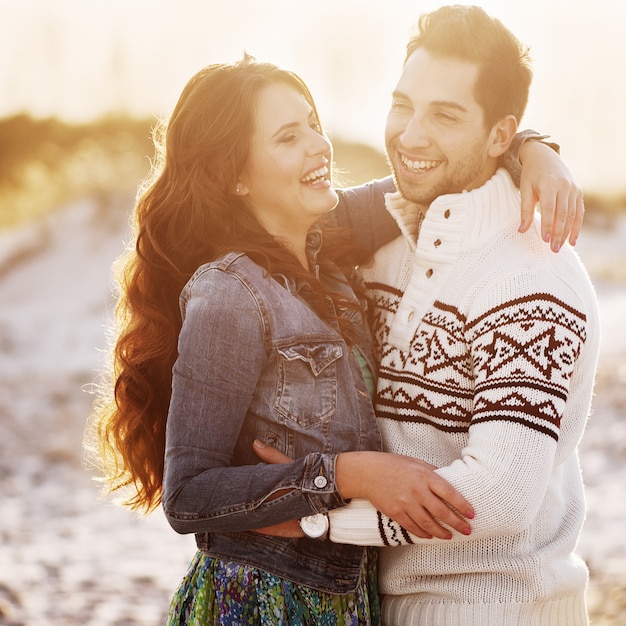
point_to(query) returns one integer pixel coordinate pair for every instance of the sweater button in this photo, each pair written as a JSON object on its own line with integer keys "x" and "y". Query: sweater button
{"x": 429, "y": 273}
{"x": 320, "y": 482}
{"x": 437, "y": 243}
{"x": 447, "y": 213}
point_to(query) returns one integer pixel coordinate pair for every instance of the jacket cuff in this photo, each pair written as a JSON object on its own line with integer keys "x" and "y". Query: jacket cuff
{"x": 319, "y": 484}
{"x": 510, "y": 159}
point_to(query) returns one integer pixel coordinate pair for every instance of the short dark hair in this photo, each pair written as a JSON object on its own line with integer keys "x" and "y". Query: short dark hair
{"x": 470, "y": 34}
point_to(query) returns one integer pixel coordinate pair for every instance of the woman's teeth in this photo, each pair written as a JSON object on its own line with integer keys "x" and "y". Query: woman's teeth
{"x": 315, "y": 176}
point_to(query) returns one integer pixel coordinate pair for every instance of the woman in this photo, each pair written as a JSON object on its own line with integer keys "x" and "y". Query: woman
{"x": 237, "y": 325}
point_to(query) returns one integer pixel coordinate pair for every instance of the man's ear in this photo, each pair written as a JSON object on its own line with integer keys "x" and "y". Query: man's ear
{"x": 501, "y": 135}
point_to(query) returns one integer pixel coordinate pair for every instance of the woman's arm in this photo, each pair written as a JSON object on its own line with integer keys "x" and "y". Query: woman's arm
{"x": 407, "y": 489}
{"x": 206, "y": 487}
{"x": 536, "y": 167}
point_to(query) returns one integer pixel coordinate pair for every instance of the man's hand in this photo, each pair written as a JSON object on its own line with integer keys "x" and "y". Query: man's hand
{"x": 546, "y": 180}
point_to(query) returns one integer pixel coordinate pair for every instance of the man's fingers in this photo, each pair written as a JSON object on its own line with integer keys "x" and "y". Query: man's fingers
{"x": 268, "y": 454}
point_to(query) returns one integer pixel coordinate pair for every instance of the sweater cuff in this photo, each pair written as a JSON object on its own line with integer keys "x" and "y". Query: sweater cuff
{"x": 360, "y": 524}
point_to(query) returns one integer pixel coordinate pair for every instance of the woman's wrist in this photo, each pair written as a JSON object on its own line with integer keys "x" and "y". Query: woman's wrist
{"x": 351, "y": 474}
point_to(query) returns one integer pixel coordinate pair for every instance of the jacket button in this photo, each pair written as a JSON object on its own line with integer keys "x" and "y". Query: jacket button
{"x": 320, "y": 482}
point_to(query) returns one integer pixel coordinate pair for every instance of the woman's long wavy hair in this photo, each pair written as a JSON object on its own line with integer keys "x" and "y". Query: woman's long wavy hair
{"x": 187, "y": 215}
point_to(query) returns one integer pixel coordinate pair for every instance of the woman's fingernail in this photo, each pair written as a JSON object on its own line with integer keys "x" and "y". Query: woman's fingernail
{"x": 257, "y": 443}
{"x": 470, "y": 515}
{"x": 467, "y": 531}
{"x": 546, "y": 238}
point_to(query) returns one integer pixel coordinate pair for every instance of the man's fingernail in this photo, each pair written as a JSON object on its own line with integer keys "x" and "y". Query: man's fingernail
{"x": 257, "y": 443}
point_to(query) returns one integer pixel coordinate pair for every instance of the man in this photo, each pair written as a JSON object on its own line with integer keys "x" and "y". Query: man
{"x": 487, "y": 345}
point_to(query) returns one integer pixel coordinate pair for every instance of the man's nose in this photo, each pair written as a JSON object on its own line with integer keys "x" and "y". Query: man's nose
{"x": 414, "y": 134}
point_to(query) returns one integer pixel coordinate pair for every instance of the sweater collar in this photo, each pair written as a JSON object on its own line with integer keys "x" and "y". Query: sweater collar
{"x": 475, "y": 216}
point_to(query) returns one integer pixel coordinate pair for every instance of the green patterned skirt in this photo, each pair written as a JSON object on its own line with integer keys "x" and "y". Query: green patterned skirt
{"x": 216, "y": 592}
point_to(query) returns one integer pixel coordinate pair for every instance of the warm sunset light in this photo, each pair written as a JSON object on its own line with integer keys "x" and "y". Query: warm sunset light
{"x": 81, "y": 58}
{"x": 82, "y": 86}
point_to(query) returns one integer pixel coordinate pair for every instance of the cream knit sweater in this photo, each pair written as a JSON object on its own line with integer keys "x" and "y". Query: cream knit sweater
{"x": 487, "y": 344}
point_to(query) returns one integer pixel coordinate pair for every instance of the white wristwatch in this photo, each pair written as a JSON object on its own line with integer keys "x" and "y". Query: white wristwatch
{"x": 315, "y": 526}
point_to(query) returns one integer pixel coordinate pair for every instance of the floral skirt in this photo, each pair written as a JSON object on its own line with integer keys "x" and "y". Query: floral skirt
{"x": 216, "y": 592}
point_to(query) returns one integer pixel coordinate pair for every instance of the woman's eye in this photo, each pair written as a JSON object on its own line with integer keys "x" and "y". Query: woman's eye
{"x": 291, "y": 137}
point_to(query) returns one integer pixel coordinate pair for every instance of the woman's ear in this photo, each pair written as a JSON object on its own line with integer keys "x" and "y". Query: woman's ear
{"x": 241, "y": 189}
{"x": 501, "y": 136}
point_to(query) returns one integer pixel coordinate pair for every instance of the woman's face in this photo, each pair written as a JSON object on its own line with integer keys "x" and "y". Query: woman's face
{"x": 286, "y": 181}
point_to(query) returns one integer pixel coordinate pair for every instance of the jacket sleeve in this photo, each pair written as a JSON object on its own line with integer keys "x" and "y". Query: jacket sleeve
{"x": 361, "y": 210}
{"x": 222, "y": 352}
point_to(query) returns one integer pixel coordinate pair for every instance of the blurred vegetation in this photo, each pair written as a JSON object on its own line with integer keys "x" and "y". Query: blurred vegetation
{"x": 45, "y": 163}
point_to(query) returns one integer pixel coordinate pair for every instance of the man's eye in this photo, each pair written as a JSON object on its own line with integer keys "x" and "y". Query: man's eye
{"x": 446, "y": 117}
{"x": 400, "y": 105}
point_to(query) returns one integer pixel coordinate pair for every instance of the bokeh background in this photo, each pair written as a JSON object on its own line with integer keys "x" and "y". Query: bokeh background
{"x": 81, "y": 84}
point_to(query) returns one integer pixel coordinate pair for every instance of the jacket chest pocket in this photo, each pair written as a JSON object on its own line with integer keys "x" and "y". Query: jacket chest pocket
{"x": 307, "y": 382}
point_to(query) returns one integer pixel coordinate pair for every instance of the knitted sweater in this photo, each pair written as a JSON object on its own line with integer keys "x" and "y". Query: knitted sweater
{"x": 487, "y": 344}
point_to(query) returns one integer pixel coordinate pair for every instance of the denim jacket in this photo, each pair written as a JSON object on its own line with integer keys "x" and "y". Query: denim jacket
{"x": 255, "y": 361}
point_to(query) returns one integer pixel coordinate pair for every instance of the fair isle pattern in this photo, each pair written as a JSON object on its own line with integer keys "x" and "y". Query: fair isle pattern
{"x": 511, "y": 363}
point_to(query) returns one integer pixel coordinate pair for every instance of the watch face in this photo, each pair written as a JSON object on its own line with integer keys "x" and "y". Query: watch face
{"x": 314, "y": 526}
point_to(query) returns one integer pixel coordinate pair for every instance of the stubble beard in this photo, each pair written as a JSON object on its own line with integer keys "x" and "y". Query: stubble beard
{"x": 459, "y": 177}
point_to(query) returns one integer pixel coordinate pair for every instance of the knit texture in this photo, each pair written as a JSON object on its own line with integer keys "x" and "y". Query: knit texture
{"x": 487, "y": 344}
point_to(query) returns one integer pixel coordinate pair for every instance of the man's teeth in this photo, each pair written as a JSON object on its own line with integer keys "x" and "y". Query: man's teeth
{"x": 418, "y": 165}
{"x": 313, "y": 176}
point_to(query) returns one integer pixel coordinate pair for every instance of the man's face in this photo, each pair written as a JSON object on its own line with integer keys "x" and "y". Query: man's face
{"x": 435, "y": 136}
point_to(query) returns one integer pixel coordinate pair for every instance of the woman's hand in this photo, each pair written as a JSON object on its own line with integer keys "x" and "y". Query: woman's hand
{"x": 546, "y": 180}
{"x": 405, "y": 489}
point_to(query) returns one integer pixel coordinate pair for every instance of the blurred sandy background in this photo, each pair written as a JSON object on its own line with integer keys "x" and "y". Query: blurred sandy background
{"x": 67, "y": 181}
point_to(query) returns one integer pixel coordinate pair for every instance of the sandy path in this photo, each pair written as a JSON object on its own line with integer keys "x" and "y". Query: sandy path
{"x": 66, "y": 558}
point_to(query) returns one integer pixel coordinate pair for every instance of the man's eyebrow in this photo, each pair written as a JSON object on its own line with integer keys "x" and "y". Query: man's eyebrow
{"x": 448, "y": 104}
